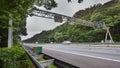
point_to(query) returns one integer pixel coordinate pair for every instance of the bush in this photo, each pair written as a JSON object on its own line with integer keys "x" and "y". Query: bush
{"x": 14, "y": 57}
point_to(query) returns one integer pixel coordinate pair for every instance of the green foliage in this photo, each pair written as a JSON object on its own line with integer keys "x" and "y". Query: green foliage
{"x": 41, "y": 59}
{"x": 19, "y": 11}
{"x": 113, "y": 10}
{"x": 14, "y": 57}
{"x": 108, "y": 13}
{"x": 51, "y": 66}
{"x": 49, "y": 4}
{"x": 58, "y": 37}
{"x": 97, "y": 16}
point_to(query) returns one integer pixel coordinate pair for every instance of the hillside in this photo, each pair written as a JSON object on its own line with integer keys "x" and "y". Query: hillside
{"x": 108, "y": 13}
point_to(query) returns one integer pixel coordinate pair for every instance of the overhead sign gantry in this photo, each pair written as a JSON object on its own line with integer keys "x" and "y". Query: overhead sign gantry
{"x": 60, "y": 18}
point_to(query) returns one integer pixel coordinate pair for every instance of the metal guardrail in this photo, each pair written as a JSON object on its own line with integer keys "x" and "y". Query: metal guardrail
{"x": 59, "y": 63}
{"x": 48, "y": 60}
{"x": 34, "y": 60}
{"x": 34, "y": 57}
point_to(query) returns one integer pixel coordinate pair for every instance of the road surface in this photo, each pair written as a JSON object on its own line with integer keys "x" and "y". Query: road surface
{"x": 85, "y": 56}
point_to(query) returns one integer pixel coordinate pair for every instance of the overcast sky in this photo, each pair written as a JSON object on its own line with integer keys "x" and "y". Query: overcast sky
{"x": 37, "y": 24}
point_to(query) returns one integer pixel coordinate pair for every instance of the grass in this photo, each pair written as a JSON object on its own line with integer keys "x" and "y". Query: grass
{"x": 41, "y": 59}
{"x": 51, "y": 66}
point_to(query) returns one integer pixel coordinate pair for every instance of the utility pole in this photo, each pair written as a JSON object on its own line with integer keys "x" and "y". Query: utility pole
{"x": 10, "y": 32}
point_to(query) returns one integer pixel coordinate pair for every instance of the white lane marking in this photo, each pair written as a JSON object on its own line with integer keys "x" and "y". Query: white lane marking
{"x": 85, "y": 55}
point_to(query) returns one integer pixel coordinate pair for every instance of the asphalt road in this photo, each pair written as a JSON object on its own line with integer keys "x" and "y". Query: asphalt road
{"x": 85, "y": 56}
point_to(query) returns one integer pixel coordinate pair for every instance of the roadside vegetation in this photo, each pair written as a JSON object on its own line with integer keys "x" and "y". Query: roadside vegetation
{"x": 42, "y": 59}
{"x": 17, "y": 12}
{"x": 14, "y": 57}
{"x": 108, "y": 13}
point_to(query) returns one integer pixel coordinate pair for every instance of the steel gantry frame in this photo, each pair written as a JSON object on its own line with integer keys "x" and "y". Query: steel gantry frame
{"x": 60, "y": 18}
{"x": 95, "y": 24}
{"x": 50, "y": 15}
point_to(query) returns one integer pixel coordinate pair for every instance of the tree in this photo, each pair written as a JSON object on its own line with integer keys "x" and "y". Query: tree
{"x": 79, "y": 1}
{"x": 18, "y": 10}
{"x": 58, "y": 37}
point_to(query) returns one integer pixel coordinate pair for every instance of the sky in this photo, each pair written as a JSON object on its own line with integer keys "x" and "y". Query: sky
{"x": 37, "y": 24}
